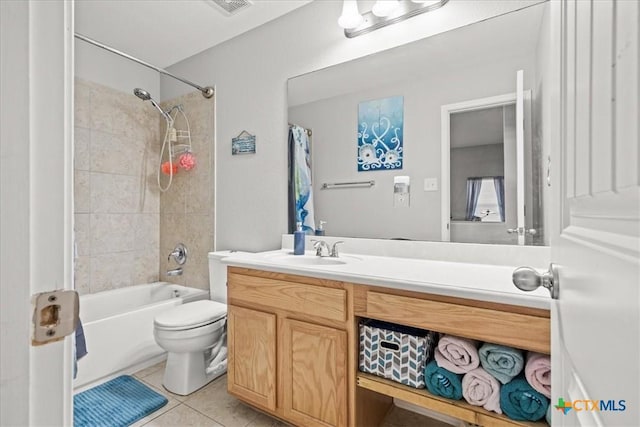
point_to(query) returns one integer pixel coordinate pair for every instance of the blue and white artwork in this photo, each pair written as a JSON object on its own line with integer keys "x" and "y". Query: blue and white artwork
{"x": 380, "y": 125}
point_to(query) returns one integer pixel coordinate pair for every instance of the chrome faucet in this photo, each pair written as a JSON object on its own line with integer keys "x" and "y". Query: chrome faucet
{"x": 179, "y": 254}
{"x": 175, "y": 272}
{"x": 320, "y": 245}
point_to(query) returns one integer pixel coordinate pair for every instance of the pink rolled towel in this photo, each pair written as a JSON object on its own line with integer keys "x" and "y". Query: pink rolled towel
{"x": 537, "y": 371}
{"x": 457, "y": 355}
{"x": 480, "y": 388}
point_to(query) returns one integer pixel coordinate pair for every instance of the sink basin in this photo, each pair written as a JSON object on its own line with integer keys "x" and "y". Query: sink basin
{"x": 311, "y": 260}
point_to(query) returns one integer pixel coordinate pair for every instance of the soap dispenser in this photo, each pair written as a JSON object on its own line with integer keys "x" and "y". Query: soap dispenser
{"x": 320, "y": 229}
{"x": 298, "y": 240}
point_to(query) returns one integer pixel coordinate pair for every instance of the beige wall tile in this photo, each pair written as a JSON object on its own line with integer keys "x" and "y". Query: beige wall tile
{"x": 81, "y": 145}
{"x": 82, "y": 274}
{"x": 114, "y": 193}
{"x": 82, "y": 191}
{"x": 111, "y": 271}
{"x": 112, "y": 233}
{"x": 82, "y": 104}
{"x": 82, "y": 229}
{"x": 145, "y": 267}
{"x": 115, "y": 153}
{"x": 146, "y": 232}
{"x": 116, "y": 139}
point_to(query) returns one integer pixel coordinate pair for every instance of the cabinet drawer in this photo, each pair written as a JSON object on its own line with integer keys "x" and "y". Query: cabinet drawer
{"x": 328, "y": 303}
{"x": 501, "y": 327}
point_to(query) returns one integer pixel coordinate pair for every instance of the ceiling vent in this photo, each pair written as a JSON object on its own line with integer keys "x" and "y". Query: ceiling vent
{"x": 229, "y": 7}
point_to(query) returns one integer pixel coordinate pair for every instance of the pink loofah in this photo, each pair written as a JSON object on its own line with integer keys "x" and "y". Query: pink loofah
{"x": 167, "y": 167}
{"x": 187, "y": 161}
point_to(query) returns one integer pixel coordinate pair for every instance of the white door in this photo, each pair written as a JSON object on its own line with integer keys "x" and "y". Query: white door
{"x": 36, "y": 196}
{"x": 596, "y": 243}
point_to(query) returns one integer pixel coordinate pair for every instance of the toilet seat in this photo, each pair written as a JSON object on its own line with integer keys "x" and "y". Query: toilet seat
{"x": 190, "y": 315}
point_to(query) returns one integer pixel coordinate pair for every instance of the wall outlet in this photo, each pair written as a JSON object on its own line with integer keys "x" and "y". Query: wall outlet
{"x": 431, "y": 184}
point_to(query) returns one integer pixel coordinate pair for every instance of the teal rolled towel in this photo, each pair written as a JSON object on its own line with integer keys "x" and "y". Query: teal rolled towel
{"x": 521, "y": 402}
{"x": 442, "y": 382}
{"x": 504, "y": 363}
{"x": 548, "y": 415}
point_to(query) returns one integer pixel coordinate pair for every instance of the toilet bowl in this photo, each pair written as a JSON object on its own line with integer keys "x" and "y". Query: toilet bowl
{"x": 193, "y": 334}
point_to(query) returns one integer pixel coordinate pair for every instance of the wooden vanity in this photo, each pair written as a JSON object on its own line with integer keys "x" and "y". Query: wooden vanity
{"x": 293, "y": 346}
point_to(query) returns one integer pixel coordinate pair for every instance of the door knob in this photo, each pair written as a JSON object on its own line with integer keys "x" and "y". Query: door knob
{"x": 528, "y": 279}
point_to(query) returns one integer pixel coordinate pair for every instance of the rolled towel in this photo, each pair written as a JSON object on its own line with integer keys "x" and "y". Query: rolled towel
{"x": 520, "y": 402}
{"x": 538, "y": 372}
{"x": 480, "y": 388}
{"x": 457, "y": 355}
{"x": 504, "y": 363}
{"x": 548, "y": 415}
{"x": 442, "y": 382}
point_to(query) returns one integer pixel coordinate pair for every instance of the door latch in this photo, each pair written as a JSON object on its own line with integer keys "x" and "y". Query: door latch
{"x": 55, "y": 315}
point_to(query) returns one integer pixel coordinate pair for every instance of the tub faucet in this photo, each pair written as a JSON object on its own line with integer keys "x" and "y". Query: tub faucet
{"x": 179, "y": 254}
{"x": 175, "y": 272}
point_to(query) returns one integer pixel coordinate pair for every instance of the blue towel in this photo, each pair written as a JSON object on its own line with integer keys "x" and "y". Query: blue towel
{"x": 548, "y": 415}
{"x": 504, "y": 363}
{"x": 521, "y": 402}
{"x": 81, "y": 347}
{"x": 442, "y": 382}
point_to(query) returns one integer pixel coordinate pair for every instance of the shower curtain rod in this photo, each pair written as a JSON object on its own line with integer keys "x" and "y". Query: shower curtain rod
{"x": 207, "y": 91}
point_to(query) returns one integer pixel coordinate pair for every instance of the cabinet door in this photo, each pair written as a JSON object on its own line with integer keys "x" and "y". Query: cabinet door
{"x": 314, "y": 374}
{"x": 252, "y": 356}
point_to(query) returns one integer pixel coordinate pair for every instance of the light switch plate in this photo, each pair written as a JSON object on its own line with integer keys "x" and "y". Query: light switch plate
{"x": 431, "y": 184}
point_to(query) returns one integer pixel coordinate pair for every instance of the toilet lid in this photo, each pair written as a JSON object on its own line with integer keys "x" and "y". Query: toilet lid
{"x": 191, "y": 315}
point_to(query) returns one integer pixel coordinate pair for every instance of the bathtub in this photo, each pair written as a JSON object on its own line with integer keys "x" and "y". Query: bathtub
{"x": 118, "y": 328}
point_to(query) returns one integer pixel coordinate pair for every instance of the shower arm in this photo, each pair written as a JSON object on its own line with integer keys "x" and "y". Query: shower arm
{"x": 207, "y": 91}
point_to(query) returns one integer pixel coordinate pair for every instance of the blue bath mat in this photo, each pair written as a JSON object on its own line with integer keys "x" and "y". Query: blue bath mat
{"x": 119, "y": 402}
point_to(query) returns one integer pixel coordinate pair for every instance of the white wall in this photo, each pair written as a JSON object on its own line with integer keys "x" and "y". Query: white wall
{"x": 250, "y": 74}
{"x": 100, "y": 66}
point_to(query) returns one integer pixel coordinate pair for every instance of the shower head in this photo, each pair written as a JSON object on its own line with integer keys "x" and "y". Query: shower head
{"x": 142, "y": 94}
{"x": 146, "y": 96}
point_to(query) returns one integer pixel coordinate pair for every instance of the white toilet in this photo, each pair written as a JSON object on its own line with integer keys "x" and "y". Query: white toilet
{"x": 194, "y": 335}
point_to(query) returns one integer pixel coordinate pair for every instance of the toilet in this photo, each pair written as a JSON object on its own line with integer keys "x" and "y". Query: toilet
{"x": 194, "y": 335}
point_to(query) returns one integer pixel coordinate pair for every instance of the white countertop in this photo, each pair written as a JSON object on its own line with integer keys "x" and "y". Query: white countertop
{"x": 482, "y": 282}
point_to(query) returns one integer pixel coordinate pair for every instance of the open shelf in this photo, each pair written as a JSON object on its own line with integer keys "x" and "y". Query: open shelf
{"x": 456, "y": 408}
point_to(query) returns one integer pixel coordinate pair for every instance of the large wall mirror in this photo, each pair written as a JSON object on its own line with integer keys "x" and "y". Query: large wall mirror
{"x": 458, "y": 147}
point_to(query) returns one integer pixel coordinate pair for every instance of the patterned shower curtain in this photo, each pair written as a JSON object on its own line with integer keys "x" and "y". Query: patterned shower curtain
{"x": 300, "y": 186}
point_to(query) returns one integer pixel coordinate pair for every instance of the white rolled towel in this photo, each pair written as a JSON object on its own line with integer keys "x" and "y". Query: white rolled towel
{"x": 456, "y": 354}
{"x": 480, "y": 388}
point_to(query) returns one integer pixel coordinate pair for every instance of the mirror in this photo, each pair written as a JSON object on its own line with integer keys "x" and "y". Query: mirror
{"x": 481, "y": 188}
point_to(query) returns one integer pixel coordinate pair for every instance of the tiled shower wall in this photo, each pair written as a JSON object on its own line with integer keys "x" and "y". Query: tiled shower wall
{"x": 117, "y": 204}
{"x": 186, "y": 209}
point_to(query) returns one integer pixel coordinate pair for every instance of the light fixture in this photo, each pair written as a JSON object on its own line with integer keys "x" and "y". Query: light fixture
{"x": 394, "y": 11}
{"x": 384, "y": 8}
{"x": 350, "y": 17}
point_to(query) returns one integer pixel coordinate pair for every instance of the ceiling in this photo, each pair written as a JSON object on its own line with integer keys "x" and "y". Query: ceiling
{"x": 168, "y": 31}
{"x": 478, "y": 127}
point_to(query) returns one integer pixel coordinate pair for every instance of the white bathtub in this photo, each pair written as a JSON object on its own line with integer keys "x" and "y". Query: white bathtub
{"x": 118, "y": 328}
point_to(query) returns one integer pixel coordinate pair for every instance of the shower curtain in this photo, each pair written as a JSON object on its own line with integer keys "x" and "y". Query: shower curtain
{"x": 498, "y": 183}
{"x": 300, "y": 189}
{"x": 473, "y": 192}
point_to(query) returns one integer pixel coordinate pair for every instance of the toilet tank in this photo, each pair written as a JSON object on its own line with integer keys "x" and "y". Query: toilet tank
{"x": 218, "y": 276}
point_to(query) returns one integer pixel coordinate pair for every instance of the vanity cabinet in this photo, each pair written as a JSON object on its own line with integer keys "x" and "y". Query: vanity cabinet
{"x": 293, "y": 346}
{"x": 288, "y": 346}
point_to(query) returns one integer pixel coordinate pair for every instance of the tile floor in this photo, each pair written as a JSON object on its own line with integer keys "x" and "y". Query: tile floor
{"x": 211, "y": 406}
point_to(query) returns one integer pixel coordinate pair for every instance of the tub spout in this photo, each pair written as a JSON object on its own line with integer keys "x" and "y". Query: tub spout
{"x": 175, "y": 272}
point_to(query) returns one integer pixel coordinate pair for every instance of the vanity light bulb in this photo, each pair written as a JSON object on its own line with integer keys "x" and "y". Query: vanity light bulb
{"x": 384, "y": 8}
{"x": 350, "y": 17}
{"x": 426, "y": 2}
